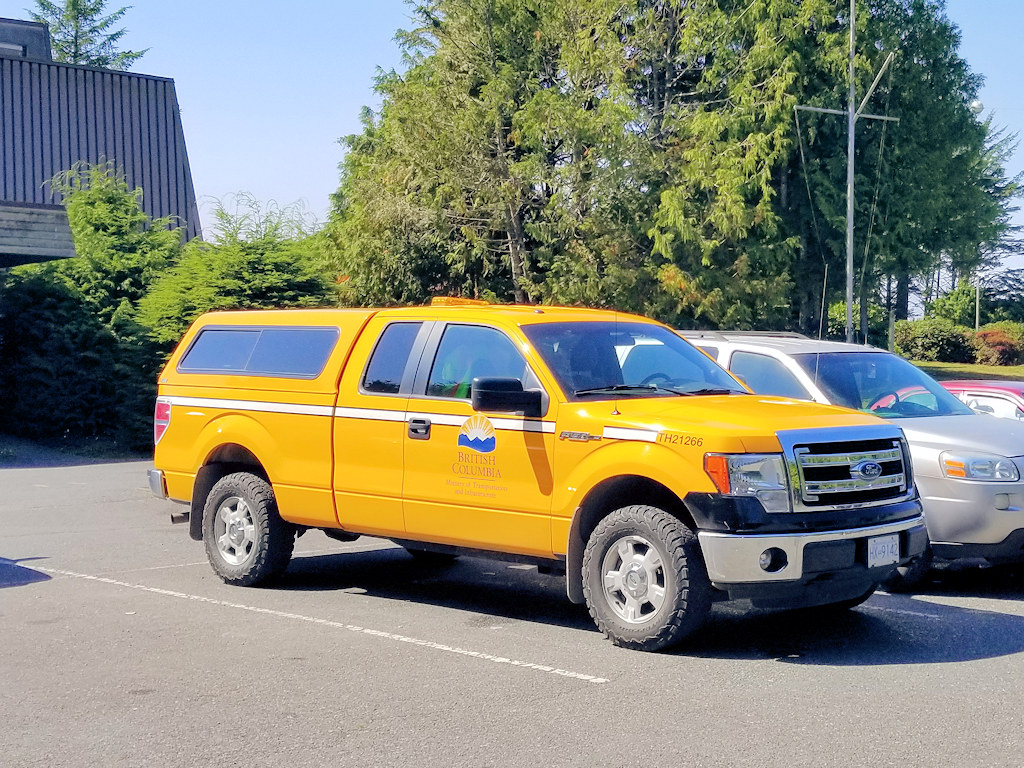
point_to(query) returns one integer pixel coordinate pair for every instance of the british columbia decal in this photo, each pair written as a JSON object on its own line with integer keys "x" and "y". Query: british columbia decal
{"x": 475, "y": 468}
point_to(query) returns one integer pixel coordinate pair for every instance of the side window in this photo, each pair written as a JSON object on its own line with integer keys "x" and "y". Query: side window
{"x": 711, "y": 349}
{"x": 994, "y": 405}
{"x": 767, "y": 376}
{"x": 220, "y": 349}
{"x": 287, "y": 352}
{"x": 469, "y": 351}
{"x": 387, "y": 363}
{"x": 292, "y": 351}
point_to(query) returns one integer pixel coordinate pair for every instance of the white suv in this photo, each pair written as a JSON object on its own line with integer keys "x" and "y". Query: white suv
{"x": 967, "y": 466}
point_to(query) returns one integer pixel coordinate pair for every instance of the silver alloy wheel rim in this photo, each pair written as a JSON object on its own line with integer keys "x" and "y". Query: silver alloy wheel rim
{"x": 234, "y": 530}
{"x": 634, "y": 579}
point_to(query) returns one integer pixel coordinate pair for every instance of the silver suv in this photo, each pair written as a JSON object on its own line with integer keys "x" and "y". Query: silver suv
{"x": 967, "y": 466}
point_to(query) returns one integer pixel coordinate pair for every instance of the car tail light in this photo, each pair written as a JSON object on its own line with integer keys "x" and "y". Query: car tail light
{"x": 161, "y": 419}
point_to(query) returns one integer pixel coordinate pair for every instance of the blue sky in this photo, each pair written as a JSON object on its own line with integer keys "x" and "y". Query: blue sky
{"x": 267, "y": 88}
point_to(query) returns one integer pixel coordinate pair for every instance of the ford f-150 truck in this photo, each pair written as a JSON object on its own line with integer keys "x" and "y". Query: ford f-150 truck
{"x": 588, "y": 442}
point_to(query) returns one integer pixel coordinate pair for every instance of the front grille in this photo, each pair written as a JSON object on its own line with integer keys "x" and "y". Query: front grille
{"x": 830, "y": 473}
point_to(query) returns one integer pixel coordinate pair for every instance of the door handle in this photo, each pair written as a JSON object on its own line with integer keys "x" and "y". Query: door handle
{"x": 419, "y": 429}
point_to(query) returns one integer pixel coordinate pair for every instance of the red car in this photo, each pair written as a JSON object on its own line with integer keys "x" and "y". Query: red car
{"x": 996, "y": 398}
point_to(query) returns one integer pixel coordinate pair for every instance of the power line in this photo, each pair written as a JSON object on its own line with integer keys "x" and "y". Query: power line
{"x": 852, "y": 115}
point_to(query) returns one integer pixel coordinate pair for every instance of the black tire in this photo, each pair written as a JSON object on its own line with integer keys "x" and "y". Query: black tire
{"x": 644, "y": 579}
{"x": 906, "y": 578}
{"x": 246, "y": 540}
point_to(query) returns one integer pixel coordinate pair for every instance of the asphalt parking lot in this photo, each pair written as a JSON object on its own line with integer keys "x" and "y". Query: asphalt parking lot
{"x": 120, "y": 647}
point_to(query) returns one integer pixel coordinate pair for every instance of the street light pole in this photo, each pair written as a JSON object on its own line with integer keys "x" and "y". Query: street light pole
{"x": 977, "y": 306}
{"x": 851, "y": 119}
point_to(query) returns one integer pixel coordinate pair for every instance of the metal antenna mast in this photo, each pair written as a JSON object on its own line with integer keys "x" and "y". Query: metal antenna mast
{"x": 851, "y": 122}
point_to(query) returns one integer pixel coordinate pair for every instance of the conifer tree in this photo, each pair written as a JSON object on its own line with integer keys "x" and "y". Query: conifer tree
{"x": 82, "y": 33}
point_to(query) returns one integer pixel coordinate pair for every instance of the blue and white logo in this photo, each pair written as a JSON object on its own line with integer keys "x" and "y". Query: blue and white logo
{"x": 866, "y": 470}
{"x": 477, "y": 434}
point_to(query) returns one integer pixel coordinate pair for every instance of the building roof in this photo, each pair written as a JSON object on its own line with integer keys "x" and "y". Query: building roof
{"x": 54, "y": 115}
{"x": 25, "y": 40}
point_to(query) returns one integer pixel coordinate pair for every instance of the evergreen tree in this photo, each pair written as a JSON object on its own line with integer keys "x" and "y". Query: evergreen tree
{"x": 120, "y": 251}
{"x": 644, "y": 154}
{"x": 82, "y": 33}
{"x": 500, "y": 165}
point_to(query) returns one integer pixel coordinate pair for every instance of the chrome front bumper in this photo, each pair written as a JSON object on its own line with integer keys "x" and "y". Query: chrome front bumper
{"x": 736, "y": 558}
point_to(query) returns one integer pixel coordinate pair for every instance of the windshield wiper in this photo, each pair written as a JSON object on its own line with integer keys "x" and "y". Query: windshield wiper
{"x": 642, "y": 388}
{"x": 715, "y": 391}
{"x": 614, "y": 388}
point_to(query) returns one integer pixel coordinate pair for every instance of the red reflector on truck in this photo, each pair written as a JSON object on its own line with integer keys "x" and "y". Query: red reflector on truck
{"x": 161, "y": 419}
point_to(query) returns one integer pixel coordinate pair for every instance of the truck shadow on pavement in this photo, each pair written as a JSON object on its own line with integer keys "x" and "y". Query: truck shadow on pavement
{"x": 999, "y": 582}
{"x": 887, "y": 629}
{"x": 918, "y": 628}
{"x": 492, "y": 592}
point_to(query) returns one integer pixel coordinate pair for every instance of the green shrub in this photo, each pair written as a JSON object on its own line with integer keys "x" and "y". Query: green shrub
{"x": 258, "y": 259}
{"x": 58, "y": 359}
{"x": 957, "y": 306}
{"x": 66, "y": 375}
{"x": 934, "y": 339}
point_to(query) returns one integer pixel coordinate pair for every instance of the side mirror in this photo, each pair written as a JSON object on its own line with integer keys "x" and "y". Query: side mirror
{"x": 504, "y": 396}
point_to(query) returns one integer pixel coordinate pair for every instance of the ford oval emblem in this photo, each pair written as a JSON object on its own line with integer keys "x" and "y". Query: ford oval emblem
{"x": 866, "y": 470}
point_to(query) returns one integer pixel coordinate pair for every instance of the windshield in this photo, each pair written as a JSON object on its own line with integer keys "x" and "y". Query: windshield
{"x": 595, "y": 359}
{"x": 880, "y": 382}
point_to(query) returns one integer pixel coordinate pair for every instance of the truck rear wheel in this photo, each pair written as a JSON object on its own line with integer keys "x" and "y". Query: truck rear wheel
{"x": 246, "y": 540}
{"x": 644, "y": 579}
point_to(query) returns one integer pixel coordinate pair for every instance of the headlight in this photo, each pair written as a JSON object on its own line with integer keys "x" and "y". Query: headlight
{"x": 751, "y": 474}
{"x": 978, "y": 466}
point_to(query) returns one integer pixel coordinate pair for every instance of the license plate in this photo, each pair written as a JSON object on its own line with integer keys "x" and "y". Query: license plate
{"x": 883, "y": 550}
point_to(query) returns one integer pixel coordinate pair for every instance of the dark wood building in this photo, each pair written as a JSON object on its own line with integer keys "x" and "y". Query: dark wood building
{"x": 54, "y": 115}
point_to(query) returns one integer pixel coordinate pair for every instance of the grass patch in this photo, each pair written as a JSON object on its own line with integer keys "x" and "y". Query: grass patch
{"x": 943, "y": 371}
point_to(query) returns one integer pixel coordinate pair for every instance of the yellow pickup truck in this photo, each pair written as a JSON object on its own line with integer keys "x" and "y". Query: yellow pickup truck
{"x": 588, "y": 442}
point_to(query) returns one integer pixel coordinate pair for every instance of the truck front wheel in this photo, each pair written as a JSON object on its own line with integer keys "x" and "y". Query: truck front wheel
{"x": 644, "y": 579}
{"x": 246, "y": 540}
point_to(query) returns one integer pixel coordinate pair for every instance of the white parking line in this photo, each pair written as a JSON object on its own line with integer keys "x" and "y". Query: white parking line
{"x": 527, "y": 665}
{"x": 159, "y": 567}
{"x": 902, "y": 612}
{"x": 302, "y": 553}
